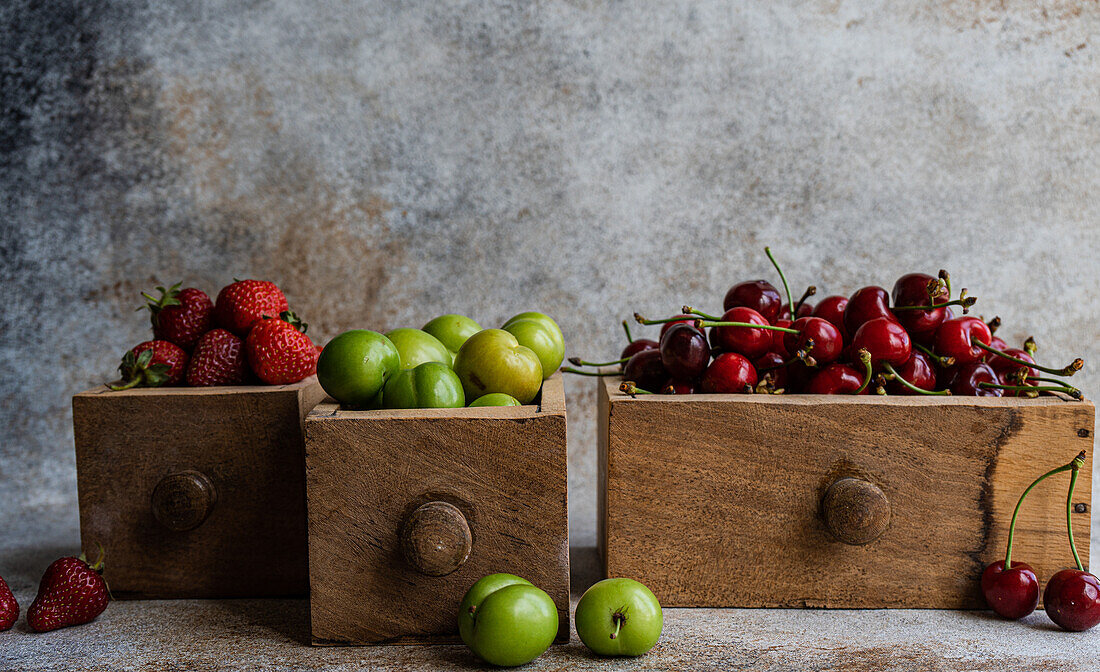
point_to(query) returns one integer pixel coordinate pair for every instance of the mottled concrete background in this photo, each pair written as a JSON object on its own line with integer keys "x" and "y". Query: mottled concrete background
{"x": 385, "y": 162}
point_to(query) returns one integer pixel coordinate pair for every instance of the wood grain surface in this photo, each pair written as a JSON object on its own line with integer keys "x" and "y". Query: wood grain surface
{"x": 715, "y": 500}
{"x": 504, "y": 468}
{"x": 246, "y": 441}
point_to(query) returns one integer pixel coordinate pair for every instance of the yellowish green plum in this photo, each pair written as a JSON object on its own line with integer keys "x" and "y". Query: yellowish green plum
{"x": 429, "y": 385}
{"x": 416, "y": 347}
{"x": 452, "y": 330}
{"x": 492, "y": 360}
{"x": 354, "y": 366}
{"x": 619, "y": 617}
{"x": 495, "y": 399}
{"x": 507, "y": 621}
{"x": 542, "y": 335}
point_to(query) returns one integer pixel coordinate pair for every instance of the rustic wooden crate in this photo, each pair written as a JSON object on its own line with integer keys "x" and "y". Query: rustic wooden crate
{"x": 493, "y": 478}
{"x": 717, "y": 500}
{"x": 195, "y": 492}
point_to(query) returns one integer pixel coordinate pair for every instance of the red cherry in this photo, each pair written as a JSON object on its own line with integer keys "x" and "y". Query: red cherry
{"x": 729, "y": 373}
{"x": 684, "y": 351}
{"x": 836, "y": 379}
{"x": 966, "y": 380}
{"x": 646, "y": 370}
{"x": 759, "y": 295}
{"x": 827, "y": 340}
{"x": 1006, "y": 366}
{"x": 634, "y": 347}
{"x": 885, "y": 339}
{"x": 778, "y": 344}
{"x": 744, "y": 340}
{"x": 805, "y": 310}
{"x": 687, "y": 319}
{"x": 1012, "y": 593}
{"x": 956, "y": 336}
{"x": 831, "y": 309}
{"x": 774, "y": 363}
{"x": 997, "y": 343}
{"x": 912, "y": 290}
{"x": 1072, "y": 599}
{"x": 918, "y": 370}
{"x": 866, "y": 304}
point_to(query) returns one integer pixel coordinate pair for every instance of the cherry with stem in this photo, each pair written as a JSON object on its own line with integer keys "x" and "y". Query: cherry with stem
{"x": 965, "y": 301}
{"x": 1072, "y": 596}
{"x": 1073, "y": 367}
{"x": 1065, "y": 389}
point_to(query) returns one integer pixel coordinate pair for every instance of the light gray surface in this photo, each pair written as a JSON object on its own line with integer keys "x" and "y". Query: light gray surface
{"x": 387, "y": 162}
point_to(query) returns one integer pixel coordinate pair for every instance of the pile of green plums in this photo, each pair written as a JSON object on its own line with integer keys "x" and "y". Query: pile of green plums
{"x": 448, "y": 363}
{"x": 508, "y": 621}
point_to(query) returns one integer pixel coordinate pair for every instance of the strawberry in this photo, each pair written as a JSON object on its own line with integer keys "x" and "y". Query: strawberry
{"x": 218, "y": 359}
{"x": 152, "y": 364}
{"x": 279, "y": 351}
{"x": 71, "y": 592}
{"x": 181, "y": 316}
{"x": 245, "y": 302}
{"x": 9, "y": 608}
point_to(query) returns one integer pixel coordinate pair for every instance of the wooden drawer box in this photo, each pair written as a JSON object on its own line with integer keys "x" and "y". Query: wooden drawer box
{"x": 408, "y": 508}
{"x": 720, "y": 500}
{"x": 195, "y": 492}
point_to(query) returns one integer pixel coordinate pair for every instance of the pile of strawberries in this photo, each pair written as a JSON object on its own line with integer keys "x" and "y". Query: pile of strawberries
{"x": 249, "y": 335}
{"x": 72, "y": 592}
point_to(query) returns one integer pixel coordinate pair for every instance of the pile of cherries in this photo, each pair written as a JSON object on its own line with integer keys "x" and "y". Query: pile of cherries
{"x": 908, "y": 341}
{"x": 1072, "y": 595}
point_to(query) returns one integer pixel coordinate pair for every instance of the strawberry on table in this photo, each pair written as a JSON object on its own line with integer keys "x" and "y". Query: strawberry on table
{"x": 245, "y": 302}
{"x": 218, "y": 359}
{"x": 9, "y": 608}
{"x": 152, "y": 364}
{"x": 181, "y": 316}
{"x": 72, "y": 592}
{"x": 279, "y": 352}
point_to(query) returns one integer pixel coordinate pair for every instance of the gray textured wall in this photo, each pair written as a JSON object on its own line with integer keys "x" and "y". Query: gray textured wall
{"x": 386, "y": 162}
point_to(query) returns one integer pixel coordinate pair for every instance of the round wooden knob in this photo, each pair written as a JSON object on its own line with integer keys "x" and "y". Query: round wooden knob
{"x": 856, "y": 512}
{"x": 183, "y": 500}
{"x": 436, "y": 539}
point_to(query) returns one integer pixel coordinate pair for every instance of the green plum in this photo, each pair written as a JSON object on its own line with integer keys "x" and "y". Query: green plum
{"x": 493, "y": 361}
{"x": 507, "y": 621}
{"x": 416, "y": 347}
{"x": 429, "y": 385}
{"x": 540, "y": 333}
{"x": 452, "y": 330}
{"x": 495, "y": 399}
{"x": 619, "y": 617}
{"x": 355, "y": 366}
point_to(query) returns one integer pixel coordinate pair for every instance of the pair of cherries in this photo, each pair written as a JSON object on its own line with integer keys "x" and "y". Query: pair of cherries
{"x": 1072, "y": 596}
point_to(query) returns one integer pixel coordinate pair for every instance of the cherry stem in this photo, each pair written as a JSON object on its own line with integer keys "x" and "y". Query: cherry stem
{"x": 1077, "y": 463}
{"x": 626, "y": 328}
{"x": 944, "y": 362}
{"x": 890, "y": 369}
{"x": 567, "y": 369}
{"x": 1066, "y": 389}
{"x": 577, "y": 361}
{"x": 965, "y": 301}
{"x": 630, "y": 388}
{"x": 691, "y": 311}
{"x": 994, "y": 324}
{"x": 642, "y": 320}
{"x": 1030, "y": 346}
{"x": 1073, "y": 367}
{"x": 946, "y": 277}
{"x": 1016, "y": 511}
{"x": 810, "y": 291}
{"x": 1048, "y": 380}
{"x": 747, "y": 325}
{"x": 865, "y": 357}
{"x": 786, "y": 288}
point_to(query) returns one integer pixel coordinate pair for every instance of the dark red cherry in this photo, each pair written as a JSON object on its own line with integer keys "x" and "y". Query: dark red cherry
{"x": 646, "y": 370}
{"x": 805, "y": 310}
{"x": 778, "y": 344}
{"x": 684, "y": 351}
{"x": 1007, "y": 367}
{"x": 743, "y": 340}
{"x": 831, "y": 309}
{"x": 885, "y": 339}
{"x": 967, "y": 378}
{"x": 918, "y": 370}
{"x": 997, "y": 343}
{"x": 1012, "y": 593}
{"x": 1072, "y": 599}
{"x": 827, "y": 340}
{"x": 836, "y": 379}
{"x": 956, "y": 336}
{"x": 912, "y": 289}
{"x": 680, "y": 387}
{"x": 688, "y": 319}
{"x": 772, "y": 364}
{"x": 634, "y": 347}
{"x": 866, "y": 304}
{"x": 729, "y": 373}
{"x": 759, "y": 295}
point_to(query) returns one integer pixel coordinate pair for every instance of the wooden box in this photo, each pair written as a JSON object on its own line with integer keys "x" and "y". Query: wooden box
{"x": 408, "y": 508}
{"x": 722, "y": 500}
{"x": 195, "y": 492}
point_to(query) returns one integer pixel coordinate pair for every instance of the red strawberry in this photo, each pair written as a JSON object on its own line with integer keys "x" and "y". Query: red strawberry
{"x": 180, "y": 316}
{"x": 279, "y": 352}
{"x": 244, "y": 303}
{"x": 152, "y": 364}
{"x": 218, "y": 359}
{"x": 71, "y": 592}
{"x": 9, "y": 608}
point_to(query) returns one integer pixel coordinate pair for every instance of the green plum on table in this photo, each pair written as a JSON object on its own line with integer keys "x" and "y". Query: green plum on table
{"x": 507, "y": 621}
{"x": 495, "y": 399}
{"x": 416, "y": 347}
{"x": 541, "y": 334}
{"x": 493, "y": 361}
{"x": 452, "y": 330}
{"x": 354, "y": 367}
{"x": 429, "y": 385}
{"x": 619, "y": 617}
